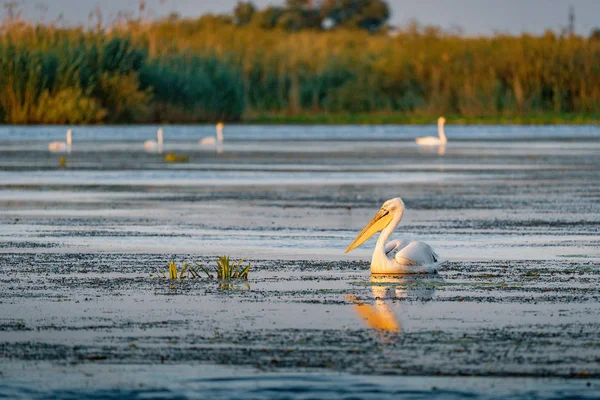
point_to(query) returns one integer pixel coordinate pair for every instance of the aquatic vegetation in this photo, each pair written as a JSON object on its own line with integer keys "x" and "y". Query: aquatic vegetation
{"x": 62, "y": 162}
{"x": 173, "y": 271}
{"x": 176, "y": 158}
{"x": 226, "y": 270}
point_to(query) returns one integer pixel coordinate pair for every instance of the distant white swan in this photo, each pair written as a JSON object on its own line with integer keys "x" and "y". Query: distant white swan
{"x": 432, "y": 140}
{"x": 396, "y": 256}
{"x": 61, "y": 147}
{"x": 212, "y": 140}
{"x": 155, "y": 145}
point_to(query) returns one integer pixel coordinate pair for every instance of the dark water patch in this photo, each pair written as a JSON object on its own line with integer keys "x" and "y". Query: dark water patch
{"x": 324, "y": 386}
{"x": 547, "y": 351}
{"x": 107, "y": 233}
{"x": 25, "y": 244}
{"x": 478, "y": 318}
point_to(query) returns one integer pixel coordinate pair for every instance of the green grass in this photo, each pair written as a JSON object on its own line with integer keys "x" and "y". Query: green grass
{"x": 384, "y": 118}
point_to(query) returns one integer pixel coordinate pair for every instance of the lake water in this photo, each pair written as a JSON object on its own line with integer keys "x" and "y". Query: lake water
{"x": 307, "y": 189}
{"x": 514, "y": 212}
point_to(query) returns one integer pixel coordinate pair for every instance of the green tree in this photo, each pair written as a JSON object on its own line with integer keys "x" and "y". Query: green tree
{"x": 243, "y": 12}
{"x": 300, "y": 14}
{"x": 366, "y": 14}
{"x": 267, "y": 18}
{"x": 295, "y": 4}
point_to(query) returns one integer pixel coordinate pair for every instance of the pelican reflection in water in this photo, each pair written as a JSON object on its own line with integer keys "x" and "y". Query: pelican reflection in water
{"x": 396, "y": 256}
{"x": 386, "y": 289}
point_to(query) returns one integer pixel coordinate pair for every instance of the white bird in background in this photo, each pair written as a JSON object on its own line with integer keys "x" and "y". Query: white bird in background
{"x": 396, "y": 256}
{"x": 212, "y": 140}
{"x": 61, "y": 147}
{"x": 155, "y": 145}
{"x": 432, "y": 140}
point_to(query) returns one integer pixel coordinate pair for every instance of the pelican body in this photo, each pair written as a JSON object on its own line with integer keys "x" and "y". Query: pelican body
{"x": 432, "y": 140}
{"x": 213, "y": 140}
{"x": 62, "y": 147}
{"x": 396, "y": 256}
{"x": 155, "y": 145}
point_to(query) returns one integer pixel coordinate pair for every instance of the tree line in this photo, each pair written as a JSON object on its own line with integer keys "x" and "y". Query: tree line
{"x": 311, "y": 58}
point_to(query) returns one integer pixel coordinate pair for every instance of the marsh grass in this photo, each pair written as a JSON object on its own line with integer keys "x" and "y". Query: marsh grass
{"x": 211, "y": 68}
{"x": 226, "y": 270}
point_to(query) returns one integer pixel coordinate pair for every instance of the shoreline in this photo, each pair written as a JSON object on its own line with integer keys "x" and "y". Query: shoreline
{"x": 406, "y": 119}
{"x": 372, "y": 119}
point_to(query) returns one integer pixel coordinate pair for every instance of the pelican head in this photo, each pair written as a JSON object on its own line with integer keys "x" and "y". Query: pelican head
{"x": 441, "y": 121}
{"x": 391, "y": 209}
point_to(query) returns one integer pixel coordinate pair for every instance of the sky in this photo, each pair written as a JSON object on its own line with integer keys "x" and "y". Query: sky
{"x": 475, "y": 17}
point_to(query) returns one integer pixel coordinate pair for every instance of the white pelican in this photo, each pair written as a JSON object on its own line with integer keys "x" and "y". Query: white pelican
{"x": 395, "y": 257}
{"x": 61, "y": 147}
{"x": 155, "y": 145}
{"x": 432, "y": 140}
{"x": 212, "y": 140}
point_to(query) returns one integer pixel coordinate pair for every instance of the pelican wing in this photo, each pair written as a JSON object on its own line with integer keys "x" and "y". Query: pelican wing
{"x": 379, "y": 222}
{"x": 394, "y": 246}
{"x": 415, "y": 254}
{"x": 391, "y": 247}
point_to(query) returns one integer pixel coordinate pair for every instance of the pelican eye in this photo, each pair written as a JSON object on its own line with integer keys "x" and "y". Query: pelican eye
{"x": 385, "y": 212}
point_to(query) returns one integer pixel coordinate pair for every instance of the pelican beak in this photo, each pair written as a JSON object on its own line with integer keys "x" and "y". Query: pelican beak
{"x": 379, "y": 222}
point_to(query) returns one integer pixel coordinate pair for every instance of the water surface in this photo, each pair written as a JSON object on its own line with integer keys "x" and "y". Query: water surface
{"x": 514, "y": 211}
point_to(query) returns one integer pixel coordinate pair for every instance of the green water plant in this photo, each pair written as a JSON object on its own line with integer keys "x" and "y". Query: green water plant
{"x": 173, "y": 272}
{"x": 176, "y": 158}
{"x": 226, "y": 270}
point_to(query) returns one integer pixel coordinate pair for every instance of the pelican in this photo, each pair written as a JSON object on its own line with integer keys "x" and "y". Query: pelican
{"x": 396, "y": 256}
{"x": 432, "y": 140}
{"x": 61, "y": 147}
{"x": 212, "y": 140}
{"x": 155, "y": 145}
